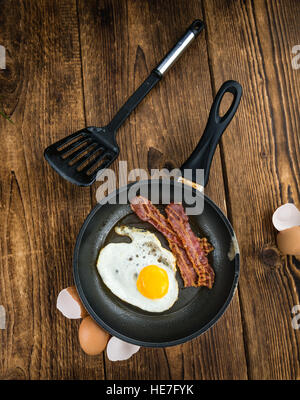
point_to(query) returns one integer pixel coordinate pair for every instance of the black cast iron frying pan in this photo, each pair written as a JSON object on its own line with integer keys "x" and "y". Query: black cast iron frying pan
{"x": 196, "y": 309}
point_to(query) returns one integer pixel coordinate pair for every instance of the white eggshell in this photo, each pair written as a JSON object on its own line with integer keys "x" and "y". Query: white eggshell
{"x": 286, "y": 216}
{"x": 67, "y": 305}
{"x": 117, "y": 350}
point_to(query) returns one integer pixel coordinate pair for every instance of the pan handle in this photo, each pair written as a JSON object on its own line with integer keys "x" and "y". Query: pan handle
{"x": 202, "y": 156}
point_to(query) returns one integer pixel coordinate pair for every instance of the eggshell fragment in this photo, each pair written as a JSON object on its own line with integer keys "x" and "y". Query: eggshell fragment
{"x": 286, "y": 217}
{"x": 288, "y": 241}
{"x": 70, "y": 305}
{"x": 117, "y": 350}
{"x": 92, "y": 338}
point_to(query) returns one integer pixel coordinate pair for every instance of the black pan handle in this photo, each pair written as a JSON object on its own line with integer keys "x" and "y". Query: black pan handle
{"x": 155, "y": 76}
{"x": 202, "y": 156}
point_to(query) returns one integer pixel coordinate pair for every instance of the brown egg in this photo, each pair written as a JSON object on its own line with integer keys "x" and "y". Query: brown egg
{"x": 288, "y": 241}
{"x": 92, "y": 338}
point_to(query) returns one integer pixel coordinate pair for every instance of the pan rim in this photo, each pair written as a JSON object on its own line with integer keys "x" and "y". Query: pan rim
{"x": 144, "y": 343}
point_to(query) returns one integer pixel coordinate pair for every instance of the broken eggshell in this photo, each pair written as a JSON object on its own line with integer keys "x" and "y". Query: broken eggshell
{"x": 69, "y": 304}
{"x": 118, "y": 350}
{"x": 288, "y": 241}
{"x": 286, "y": 216}
{"x": 92, "y": 338}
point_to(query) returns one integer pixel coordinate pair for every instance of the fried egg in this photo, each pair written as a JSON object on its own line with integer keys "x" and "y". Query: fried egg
{"x": 141, "y": 273}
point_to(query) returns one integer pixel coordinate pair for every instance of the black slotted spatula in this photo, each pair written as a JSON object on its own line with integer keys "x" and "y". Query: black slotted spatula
{"x": 82, "y": 155}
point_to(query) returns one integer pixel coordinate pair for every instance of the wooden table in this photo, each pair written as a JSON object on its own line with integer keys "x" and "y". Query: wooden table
{"x": 73, "y": 63}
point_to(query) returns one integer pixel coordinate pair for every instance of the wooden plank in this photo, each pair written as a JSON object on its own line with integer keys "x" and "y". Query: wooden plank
{"x": 41, "y": 214}
{"x": 253, "y": 45}
{"x": 121, "y": 41}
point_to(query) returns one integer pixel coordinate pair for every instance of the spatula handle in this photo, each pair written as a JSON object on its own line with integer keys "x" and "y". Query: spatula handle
{"x": 133, "y": 101}
{"x": 192, "y": 32}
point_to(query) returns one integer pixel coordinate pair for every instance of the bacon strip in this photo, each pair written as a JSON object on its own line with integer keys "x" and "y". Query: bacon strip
{"x": 205, "y": 245}
{"x": 192, "y": 263}
{"x": 146, "y": 211}
{"x": 178, "y": 220}
{"x": 187, "y": 272}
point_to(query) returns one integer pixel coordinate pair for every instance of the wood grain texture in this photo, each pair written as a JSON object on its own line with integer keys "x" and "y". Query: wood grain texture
{"x": 40, "y": 213}
{"x": 267, "y": 132}
{"x": 72, "y": 63}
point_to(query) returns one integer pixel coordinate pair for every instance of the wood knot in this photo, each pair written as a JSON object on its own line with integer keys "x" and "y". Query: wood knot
{"x": 271, "y": 256}
{"x": 154, "y": 158}
{"x": 169, "y": 165}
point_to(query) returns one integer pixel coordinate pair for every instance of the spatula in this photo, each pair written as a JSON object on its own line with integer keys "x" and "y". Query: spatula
{"x": 82, "y": 155}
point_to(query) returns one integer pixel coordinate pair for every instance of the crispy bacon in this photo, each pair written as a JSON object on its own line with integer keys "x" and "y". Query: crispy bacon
{"x": 187, "y": 272}
{"x": 146, "y": 211}
{"x": 205, "y": 245}
{"x": 192, "y": 263}
{"x": 178, "y": 220}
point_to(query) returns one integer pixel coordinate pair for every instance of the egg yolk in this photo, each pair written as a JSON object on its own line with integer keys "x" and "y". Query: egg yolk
{"x": 153, "y": 282}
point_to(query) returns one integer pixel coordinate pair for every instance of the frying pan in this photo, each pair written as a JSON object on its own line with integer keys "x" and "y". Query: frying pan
{"x": 196, "y": 309}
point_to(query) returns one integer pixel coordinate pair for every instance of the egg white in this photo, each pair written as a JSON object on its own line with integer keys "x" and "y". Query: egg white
{"x": 119, "y": 265}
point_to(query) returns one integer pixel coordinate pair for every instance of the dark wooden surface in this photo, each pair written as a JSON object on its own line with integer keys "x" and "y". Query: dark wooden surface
{"x": 71, "y": 64}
